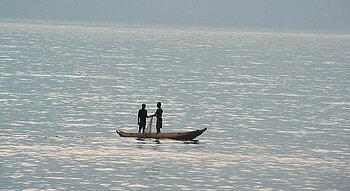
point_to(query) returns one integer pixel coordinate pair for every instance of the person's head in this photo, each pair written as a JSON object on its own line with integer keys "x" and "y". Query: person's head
{"x": 143, "y": 106}
{"x": 159, "y": 104}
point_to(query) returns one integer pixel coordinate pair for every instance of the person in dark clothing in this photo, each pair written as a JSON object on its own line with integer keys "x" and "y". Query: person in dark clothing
{"x": 158, "y": 114}
{"x": 141, "y": 119}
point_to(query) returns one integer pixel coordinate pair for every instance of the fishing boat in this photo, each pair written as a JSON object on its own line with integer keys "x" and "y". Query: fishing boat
{"x": 183, "y": 136}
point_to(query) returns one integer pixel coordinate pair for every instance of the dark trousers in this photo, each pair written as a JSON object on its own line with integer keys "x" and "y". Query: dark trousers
{"x": 159, "y": 124}
{"x": 142, "y": 127}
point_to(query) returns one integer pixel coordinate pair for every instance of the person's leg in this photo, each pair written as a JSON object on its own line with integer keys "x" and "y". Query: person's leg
{"x": 140, "y": 127}
{"x": 159, "y": 124}
{"x": 158, "y": 127}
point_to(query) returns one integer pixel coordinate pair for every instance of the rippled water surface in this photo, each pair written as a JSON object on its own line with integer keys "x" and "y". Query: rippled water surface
{"x": 276, "y": 105}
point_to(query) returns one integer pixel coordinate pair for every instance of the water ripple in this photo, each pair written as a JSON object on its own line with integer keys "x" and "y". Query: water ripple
{"x": 276, "y": 106}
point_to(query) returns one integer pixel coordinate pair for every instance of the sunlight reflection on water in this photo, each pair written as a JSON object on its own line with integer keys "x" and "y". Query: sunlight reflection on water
{"x": 276, "y": 107}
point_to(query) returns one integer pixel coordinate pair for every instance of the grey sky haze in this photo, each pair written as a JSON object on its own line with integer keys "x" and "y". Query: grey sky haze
{"x": 281, "y": 14}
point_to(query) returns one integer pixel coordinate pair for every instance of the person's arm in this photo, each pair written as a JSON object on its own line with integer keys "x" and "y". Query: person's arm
{"x": 153, "y": 114}
{"x": 138, "y": 118}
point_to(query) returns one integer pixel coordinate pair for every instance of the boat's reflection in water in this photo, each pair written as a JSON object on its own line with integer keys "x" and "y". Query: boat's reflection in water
{"x": 159, "y": 141}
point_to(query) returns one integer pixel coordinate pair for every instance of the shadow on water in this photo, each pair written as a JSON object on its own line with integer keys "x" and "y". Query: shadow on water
{"x": 191, "y": 142}
{"x": 147, "y": 140}
{"x": 159, "y": 141}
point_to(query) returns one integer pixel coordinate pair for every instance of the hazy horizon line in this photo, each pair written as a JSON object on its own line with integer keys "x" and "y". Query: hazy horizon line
{"x": 175, "y": 26}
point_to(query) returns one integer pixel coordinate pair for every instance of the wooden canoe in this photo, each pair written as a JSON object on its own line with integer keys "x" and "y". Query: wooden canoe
{"x": 183, "y": 136}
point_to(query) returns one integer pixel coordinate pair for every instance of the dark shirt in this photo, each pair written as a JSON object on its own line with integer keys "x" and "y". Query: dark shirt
{"x": 159, "y": 123}
{"x": 142, "y": 116}
{"x": 159, "y": 113}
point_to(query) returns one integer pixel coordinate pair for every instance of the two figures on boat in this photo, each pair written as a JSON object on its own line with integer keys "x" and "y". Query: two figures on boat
{"x": 142, "y": 115}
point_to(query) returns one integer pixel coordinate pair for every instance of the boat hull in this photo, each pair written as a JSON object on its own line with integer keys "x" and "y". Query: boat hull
{"x": 184, "y": 136}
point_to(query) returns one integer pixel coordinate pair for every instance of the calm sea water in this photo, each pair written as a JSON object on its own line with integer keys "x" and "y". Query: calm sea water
{"x": 276, "y": 105}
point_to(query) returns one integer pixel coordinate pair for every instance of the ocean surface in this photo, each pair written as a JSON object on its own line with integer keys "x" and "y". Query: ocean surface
{"x": 276, "y": 105}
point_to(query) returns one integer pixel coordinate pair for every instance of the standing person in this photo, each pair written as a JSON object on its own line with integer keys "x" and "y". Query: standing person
{"x": 158, "y": 114}
{"x": 141, "y": 119}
